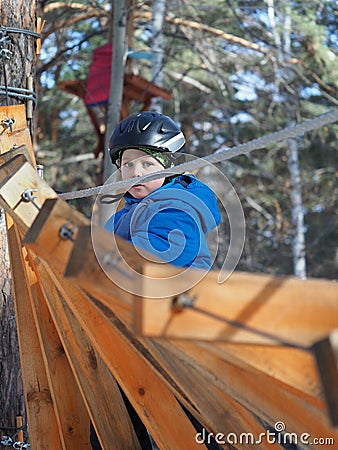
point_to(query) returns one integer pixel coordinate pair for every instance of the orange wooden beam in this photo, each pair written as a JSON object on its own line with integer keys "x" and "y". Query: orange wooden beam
{"x": 39, "y": 405}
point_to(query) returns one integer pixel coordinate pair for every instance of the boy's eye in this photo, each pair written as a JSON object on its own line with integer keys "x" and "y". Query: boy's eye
{"x": 130, "y": 164}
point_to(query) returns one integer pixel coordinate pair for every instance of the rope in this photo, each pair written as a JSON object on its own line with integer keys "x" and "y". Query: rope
{"x": 10, "y": 91}
{"x": 219, "y": 156}
{"x": 5, "y": 54}
{"x": 18, "y": 92}
{"x": 4, "y": 30}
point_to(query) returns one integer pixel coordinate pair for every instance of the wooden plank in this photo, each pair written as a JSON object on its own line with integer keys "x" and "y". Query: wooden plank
{"x": 269, "y": 404}
{"x": 248, "y": 308}
{"x": 216, "y": 411}
{"x": 39, "y": 406}
{"x": 99, "y": 389}
{"x": 70, "y": 409}
{"x": 327, "y": 361}
{"x": 292, "y": 366}
{"x": 17, "y": 114}
{"x": 100, "y": 260}
{"x": 44, "y": 239}
{"x": 110, "y": 259}
{"x": 85, "y": 265}
{"x": 272, "y": 387}
{"x": 44, "y": 234}
{"x": 245, "y": 429}
{"x": 97, "y": 279}
{"x": 260, "y": 315}
{"x": 157, "y": 407}
{"x": 176, "y": 368}
{"x": 264, "y": 300}
{"x": 22, "y": 176}
{"x": 11, "y": 165}
{"x": 89, "y": 280}
{"x": 18, "y": 134}
{"x": 209, "y": 403}
{"x": 265, "y": 396}
{"x": 12, "y": 140}
{"x": 16, "y": 151}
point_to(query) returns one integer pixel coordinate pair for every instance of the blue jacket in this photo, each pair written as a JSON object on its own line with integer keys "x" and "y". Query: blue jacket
{"x": 171, "y": 222}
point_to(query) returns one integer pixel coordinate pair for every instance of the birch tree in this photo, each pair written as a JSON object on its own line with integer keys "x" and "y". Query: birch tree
{"x": 291, "y": 94}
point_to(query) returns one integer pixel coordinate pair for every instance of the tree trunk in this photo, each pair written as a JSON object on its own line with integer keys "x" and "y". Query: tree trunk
{"x": 291, "y": 94}
{"x": 11, "y": 389}
{"x": 157, "y": 44}
{"x": 17, "y": 64}
{"x": 117, "y": 78}
{"x": 297, "y": 214}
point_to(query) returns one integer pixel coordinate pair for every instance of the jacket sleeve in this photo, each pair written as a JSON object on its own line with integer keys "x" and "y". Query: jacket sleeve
{"x": 171, "y": 234}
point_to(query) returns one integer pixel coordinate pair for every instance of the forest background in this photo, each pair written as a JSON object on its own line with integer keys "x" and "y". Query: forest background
{"x": 236, "y": 70}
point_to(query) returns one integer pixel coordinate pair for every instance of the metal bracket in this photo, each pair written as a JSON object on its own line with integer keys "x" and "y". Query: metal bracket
{"x": 182, "y": 301}
{"x": 112, "y": 260}
{"x": 6, "y": 53}
{"x": 7, "y": 123}
{"x": 67, "y": 231}
{"x": 6, "y": 440}
{"x": 27, "y": 196}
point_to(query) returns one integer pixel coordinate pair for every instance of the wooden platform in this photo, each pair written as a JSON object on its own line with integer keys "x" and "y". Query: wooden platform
{"x": 253, "y": 352}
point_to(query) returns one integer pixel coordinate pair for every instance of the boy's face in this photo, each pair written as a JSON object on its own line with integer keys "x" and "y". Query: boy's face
{"x": 135, "y": 163}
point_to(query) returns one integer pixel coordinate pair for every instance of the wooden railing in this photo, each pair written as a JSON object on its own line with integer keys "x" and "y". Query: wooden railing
{"x": 253, "y": 351}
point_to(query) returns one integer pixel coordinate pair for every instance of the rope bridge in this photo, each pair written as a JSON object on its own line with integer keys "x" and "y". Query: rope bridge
{"x": 253, "y": 359}
{"x": 220, "y": 156}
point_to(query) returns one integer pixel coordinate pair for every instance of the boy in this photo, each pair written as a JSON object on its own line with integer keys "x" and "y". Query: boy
{"x": 168, "y": 217}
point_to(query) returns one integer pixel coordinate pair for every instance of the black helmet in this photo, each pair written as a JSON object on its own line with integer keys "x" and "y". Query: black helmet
{"x": 150, "y": 130}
